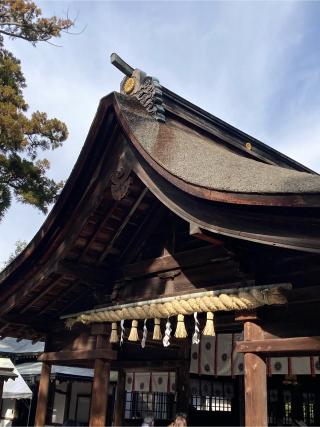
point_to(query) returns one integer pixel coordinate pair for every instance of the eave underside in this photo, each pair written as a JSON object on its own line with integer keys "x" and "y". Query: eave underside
{"x": 92, "y": 243}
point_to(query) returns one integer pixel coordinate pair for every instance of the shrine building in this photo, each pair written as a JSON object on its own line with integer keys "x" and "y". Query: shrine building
{"x": 183, "y": 258}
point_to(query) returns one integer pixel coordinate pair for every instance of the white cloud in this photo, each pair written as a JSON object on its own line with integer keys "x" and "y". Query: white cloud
{"x": 253, "y": 64}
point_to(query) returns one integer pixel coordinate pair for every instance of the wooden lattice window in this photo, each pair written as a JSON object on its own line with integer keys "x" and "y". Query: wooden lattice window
{"x": 212, "y": 395}
{"x": 139, "y": 405}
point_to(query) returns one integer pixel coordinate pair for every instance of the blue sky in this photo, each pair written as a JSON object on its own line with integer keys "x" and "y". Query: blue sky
{"x": 254, "y": 64}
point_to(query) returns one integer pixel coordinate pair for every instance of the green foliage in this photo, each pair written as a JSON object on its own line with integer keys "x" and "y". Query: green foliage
{"x": 23, "y": 137}
{"x": 19, "y": 246}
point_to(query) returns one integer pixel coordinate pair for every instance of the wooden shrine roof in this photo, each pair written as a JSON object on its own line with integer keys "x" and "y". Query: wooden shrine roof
{"x": 201, "y": 160}
{"x": 137, "y": 173}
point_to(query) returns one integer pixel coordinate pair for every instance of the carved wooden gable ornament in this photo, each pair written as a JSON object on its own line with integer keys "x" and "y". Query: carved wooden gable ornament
{"x": 146, "y": 89}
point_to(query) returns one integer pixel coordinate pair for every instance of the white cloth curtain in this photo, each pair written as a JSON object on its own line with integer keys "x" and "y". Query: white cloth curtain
{"x": 156, "y": 382}
{"x": 217, "y": 356}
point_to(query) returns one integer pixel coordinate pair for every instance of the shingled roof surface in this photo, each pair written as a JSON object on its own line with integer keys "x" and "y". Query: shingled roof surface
{"x": 203, "y": 161}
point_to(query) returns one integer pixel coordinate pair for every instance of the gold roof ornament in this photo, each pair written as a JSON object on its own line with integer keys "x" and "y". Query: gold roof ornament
{"x": 146, "y": 89}
{"x": 129, "y": 85}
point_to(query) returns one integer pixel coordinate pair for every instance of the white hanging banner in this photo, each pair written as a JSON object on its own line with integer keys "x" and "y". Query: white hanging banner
{"x": 278, "y": 366}
{"x": 159, "y": 382}
{"x": 217, "y": 356}
{"x": 301, "y": 365}
{"x": 129, "y": 383}
{"x": 151, "y": 382}
{"x": 142, "y": 381}
{"x": 223, "y": 353}
{"x": 207, "y": 365}
{"x": 194, "y": 358}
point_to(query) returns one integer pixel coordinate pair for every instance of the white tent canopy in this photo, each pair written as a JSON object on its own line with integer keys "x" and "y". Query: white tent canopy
{"x": 16, "y": 389}
{"x": 12, "y": 345}
{"x": 34, "y": 368}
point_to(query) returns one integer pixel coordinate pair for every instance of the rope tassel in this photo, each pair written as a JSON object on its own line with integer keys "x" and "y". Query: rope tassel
{"x": 157, "y": 331}
{"x": 181, "y": 331}
{"x": 133, "y": 336}
{"x": 209, "y": 327}
{"x": 114, "y": 333}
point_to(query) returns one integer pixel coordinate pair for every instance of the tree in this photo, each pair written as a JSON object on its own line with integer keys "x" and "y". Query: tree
{"x": 23, "y": 137}
{"x": 19, "y": 246}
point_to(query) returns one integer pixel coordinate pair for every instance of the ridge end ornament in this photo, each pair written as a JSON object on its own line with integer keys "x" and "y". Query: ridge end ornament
{"x": 137, "y": 84}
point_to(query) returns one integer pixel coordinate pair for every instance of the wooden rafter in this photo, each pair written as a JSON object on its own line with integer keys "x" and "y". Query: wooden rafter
{"x": 99, "y": 227}
{"x": 58, "y": 297}
{"x": 46, "y": 290}
{"x": 147, "y": 227}
{"x": 74, "y": 301}
{"x": 85, "y": 273}
{"x": 123, "y": 225}
{"x": 155, "y": 211}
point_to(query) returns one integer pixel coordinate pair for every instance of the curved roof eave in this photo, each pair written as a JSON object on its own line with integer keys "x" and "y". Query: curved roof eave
{"x": 203, "y": 168}
{"x": 82, "y": 179}
{"x": 76, "y": 186}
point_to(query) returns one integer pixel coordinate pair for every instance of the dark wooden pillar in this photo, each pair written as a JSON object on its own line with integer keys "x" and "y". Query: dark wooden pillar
{"x": 120, "y": 399}
{"x": 42, "y": 402}
{"x": 183, "y": 377}
{"x": 255, "y": 381}
{"x": 99, "y": 397}
{"x": 183, "y": 389}
{"x": 1, "y": 388}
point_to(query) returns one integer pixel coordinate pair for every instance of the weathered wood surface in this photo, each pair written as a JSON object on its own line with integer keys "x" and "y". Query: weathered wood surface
{"x": 187, "y": 259}
{"x": 99, "y": 397}
{"x": 120, "y": 399}
{"x": 286, "y": 346}
{"x": 43, "y": 393}
{"x": 86, "y": 221}
{"x": 1, "y": 389}
{"x": 255, "y": 381}
{"x": 58, "y": 356}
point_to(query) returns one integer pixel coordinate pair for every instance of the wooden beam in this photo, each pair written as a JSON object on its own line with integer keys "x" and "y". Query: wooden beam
{"x": 143, "y": 232}
{"x": 84, "y": 273}
{"x": 187, "y": 259}
{"x": 74, "y": 301}
{"x": 195, "y": 231}
{"x": 42, "y": 402}
{"x": 287, "y": 346}
{"x": 247, "y": 315}
{"x": 58, "y": 356}
{"x": 143, "y": 365}
{"x": 39, "y": 279}
{"x": 63, "y": 238}
{"x": 61, "y": 295}
{"x": 99, "y": 397}
{"x": 40, "y": 295}
{"x": 255, "y": 381}
{"x": 105, "y": 218}
{"x": 123, "y": 225}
